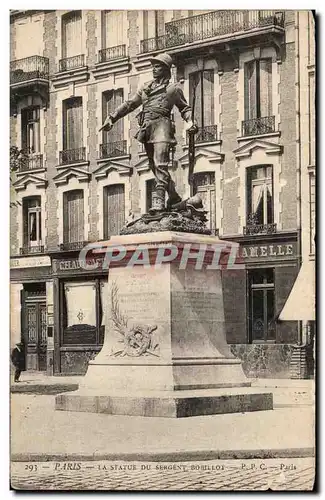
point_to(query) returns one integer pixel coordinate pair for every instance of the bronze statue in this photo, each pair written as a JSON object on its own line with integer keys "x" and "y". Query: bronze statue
{"x": 157, "y": 131}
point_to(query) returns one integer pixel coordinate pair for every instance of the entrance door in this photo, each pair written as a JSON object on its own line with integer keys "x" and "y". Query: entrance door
{"x": 262, "y": 310}
{"x": 36, "y": 336}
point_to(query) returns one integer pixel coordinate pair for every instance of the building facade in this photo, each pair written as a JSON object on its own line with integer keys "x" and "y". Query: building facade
{"x": 75, "y": 185}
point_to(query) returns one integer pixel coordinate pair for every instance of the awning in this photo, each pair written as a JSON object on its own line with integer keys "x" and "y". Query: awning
{"x": 300, "y": 305}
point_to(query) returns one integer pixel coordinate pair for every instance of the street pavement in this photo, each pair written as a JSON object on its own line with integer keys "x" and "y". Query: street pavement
{"x": 224, "y": 475}
{"x": 53, "y": 449}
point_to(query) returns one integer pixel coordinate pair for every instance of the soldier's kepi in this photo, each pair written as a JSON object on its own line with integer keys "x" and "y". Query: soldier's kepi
{"x": 157, "y": 130}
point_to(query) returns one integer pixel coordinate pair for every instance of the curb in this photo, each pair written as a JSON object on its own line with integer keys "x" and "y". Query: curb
{"x": 167, "y": 456}
{"x": 43, "y": 388}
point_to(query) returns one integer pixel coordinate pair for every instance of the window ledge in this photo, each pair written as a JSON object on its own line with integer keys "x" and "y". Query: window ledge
{"x": 254, "y": 342}
{"x": 113, "y": 158}
{"x": 21, "y": 173}
{"x": 259, "y": 136}
{"x": 120, "y": 65}
{"x": 203, "y": 144}
{"x": 80, "y": 164}
{"x": 80, "y": 74}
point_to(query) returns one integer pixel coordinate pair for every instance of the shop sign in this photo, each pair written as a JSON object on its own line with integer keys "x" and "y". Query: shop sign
{"x": 23, "y": 262}
{"x": 269, "y": 251}
{"x": 68, "y": 265}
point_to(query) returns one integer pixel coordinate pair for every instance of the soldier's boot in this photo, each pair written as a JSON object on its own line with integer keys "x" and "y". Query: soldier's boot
{"x": 158, "y": 200}
{"x": 173, "y": 196}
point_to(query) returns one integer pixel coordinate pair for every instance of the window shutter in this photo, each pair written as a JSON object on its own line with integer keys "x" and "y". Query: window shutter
{"x": 195, "y": 80}
{"x": 111, "y": 100}
{"x": 208, "y": 98}
{"x": 250, "y": 91}
{"x": 25, "y": 222}
{"x": 113, "y": 28}
{"x": 65, "y": 218}
{"x": 266, "y": 87}
{"x": 72, "y": 124}
{"x": 71, "y": 35}
{"x": 24, "y": 128}
{"x": 114, "y": 207}
{"x": 73, "y": 219}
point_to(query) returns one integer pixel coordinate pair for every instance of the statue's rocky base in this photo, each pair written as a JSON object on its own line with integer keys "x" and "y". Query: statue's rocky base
{"x": 166, "y": 221}
{"x": 165, "y": 351}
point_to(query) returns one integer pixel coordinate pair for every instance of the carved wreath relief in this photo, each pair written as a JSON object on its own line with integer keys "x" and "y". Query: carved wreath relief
{"x": 137, "y": 341}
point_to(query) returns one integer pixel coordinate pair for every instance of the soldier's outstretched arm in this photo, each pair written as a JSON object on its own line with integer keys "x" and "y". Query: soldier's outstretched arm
{"x": 124, "y": 109}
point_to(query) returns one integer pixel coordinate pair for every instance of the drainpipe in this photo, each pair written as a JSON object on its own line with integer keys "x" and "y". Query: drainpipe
{"x": 298, "y": 150}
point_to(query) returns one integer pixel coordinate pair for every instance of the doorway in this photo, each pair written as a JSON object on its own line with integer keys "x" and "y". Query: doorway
{"x": 35, "y": 329}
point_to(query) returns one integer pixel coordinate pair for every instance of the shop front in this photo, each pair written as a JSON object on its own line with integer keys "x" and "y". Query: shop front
{"x": 254, "y": 298}
{"x": 79, "y": 314}
{"x": 30, "y": 295}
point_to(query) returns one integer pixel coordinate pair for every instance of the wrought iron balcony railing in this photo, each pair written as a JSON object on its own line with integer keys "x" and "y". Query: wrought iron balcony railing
{"x": 72, "y": 63}
{"x": 252, "y": 229}
{"x": 28, "y": 69}
{"x": 258, "y": 126}
{"x": 112, "y": 53}
{"x": 206, "y": 134}
{"x": 112, "y": 149}
{"x": 68, "y": 156}
{"x": 209, "y": 25}
{"x": 73, "y": 245}
{"x": 30, "y": 162}
{"x": 31, "y": 249}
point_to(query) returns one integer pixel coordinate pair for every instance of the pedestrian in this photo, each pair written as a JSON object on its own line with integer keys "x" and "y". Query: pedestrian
{"x": 18, "y": 360}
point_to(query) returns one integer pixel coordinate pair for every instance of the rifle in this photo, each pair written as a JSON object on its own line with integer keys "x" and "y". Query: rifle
{"x": 191, "y": 147}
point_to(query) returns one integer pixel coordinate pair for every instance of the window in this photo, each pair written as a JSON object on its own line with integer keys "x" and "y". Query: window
{"x": 32, "y": 226}
{"x": 262, "y": 305}
{"x": 71, "y": 35}
{"x": 72, "y": 124}
{"x": 30, "y": 129}
{"x": 312, "y": 212}
{"x": 110, "y": 101}
{"x": 259, "y": 195}
{"x": 73, "y": 216}
{"x": 150, "y": 24}
{"x": 150, "y": 188}
{"x": 204, "y": 185}
{"x": 203, "y": 81}
{"x": 83, "y": 311}
{"x": 112, "y": 28}
{"x": 114, "y": 209}
{"x": 258, "y": 89}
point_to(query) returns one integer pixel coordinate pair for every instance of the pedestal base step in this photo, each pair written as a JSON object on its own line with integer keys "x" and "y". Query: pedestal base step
{"x": 173, "y": 404}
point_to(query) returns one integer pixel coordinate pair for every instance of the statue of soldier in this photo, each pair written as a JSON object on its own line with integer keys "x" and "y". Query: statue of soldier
{"x": 157, "y": 130}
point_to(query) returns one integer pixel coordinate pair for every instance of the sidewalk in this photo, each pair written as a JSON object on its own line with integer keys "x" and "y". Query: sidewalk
{"x": 39, "y": 432}
{"x": 40, "y": 383}
{"x": 286, "y": 392}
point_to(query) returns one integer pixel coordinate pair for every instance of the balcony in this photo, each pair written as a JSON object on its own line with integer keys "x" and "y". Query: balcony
{"x": 254, "y": 229}
{"x": 29, "y": 69}
{"x": 113, "y": 149}
{"x": 73, "y": 245}
{"x": 71, "y": 63}
{"x": 31, "y": 249}
{"x": 212, "y": 25}
{"x": 112, "y": 53}
{"x": 258, "y": 126}
{"x": 70, "y": 156}
{"x": 205, "y": 134}
{"x": 29, "y": 76}
{"x": 29, "y": 162}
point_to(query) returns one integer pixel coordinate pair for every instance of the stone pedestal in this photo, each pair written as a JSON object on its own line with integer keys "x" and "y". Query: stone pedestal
{"x": 165, "y": 351}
